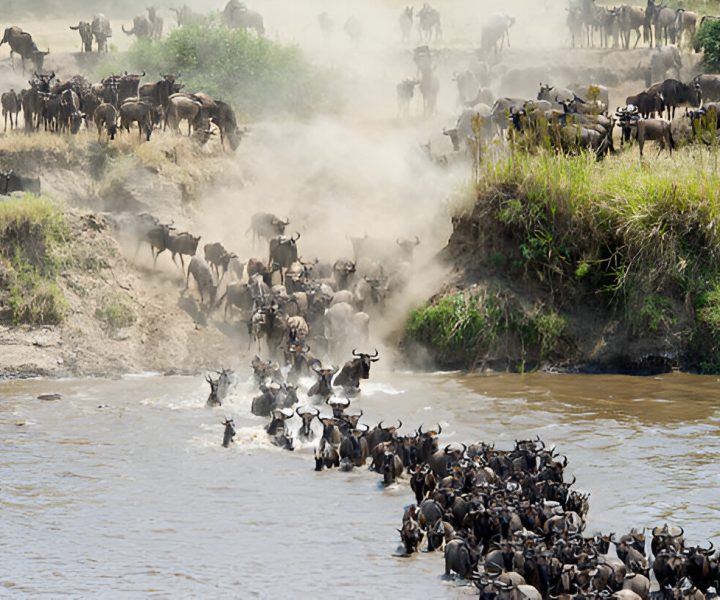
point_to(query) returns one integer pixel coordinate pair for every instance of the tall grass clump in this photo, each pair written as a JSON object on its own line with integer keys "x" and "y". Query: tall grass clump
{"x": 33, "y": 239}
{"x": 258, "y": 76}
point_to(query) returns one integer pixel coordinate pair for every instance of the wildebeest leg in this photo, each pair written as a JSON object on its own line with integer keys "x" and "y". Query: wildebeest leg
{"x": 187, "y": 282}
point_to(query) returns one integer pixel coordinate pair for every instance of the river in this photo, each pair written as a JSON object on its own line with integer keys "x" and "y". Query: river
{"x": 121, "y": 489}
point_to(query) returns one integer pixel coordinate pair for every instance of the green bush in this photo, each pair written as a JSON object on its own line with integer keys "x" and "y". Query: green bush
{"x": 256, "y": 75}
{"x": 707, "y": 39}
{"x": 33, "y": 241}
{"x": 115, "y": 312}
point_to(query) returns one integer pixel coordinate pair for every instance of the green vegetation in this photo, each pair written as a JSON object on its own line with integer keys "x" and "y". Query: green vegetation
{"x": 465, "y": 328}
{"x": 256, "y": 75}
{"x": 115, "y": 312}
{"x": 708, "y": 40}
{"x": 638, "y": 240}
{"x": 34, "y": 236}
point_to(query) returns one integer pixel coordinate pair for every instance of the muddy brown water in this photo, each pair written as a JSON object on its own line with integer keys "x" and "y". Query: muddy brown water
{"x": 121, "y": 489}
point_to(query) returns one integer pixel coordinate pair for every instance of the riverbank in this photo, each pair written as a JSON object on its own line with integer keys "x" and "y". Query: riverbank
{"x": 76, "y": 296}
{"x": 563, "y": 262}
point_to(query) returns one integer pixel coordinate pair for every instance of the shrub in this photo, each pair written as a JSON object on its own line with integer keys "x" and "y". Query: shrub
{"x": 115, "y": 312}
{"x": 257, "y": 75}
{"x": 707, "y": 39}
{"x": 33, "y": 241}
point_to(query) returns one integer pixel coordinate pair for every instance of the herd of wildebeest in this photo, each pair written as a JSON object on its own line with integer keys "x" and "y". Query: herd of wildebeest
{"x": 506, "y": 520}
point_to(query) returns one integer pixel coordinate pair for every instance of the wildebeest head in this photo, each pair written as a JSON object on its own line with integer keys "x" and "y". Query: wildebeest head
{"x": 411, "y": 535}
{"x": 307, "y": 417}
{"x": 363, "y": 362}
{"x": 339, "y": 406}
{"x": 407, "y": 248}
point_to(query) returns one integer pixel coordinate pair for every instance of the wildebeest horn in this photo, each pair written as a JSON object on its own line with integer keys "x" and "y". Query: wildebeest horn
{"x": 400, "y": 425}
{"x": 420, "y": 429}
{"x": 439, "y": 429}
{"x": 376, "y": 353}
{"x": 355, "y": 352}
{"x": 295, "y": 239}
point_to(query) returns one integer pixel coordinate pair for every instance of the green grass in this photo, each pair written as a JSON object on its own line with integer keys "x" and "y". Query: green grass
{"x": 640, "y": 240}
{"x": 115, "y": 312}
{"x": 33, "y": 241}
{"x": 463, "y": 329}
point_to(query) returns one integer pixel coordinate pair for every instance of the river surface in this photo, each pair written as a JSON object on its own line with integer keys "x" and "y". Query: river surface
{"x": 121, "y": 488}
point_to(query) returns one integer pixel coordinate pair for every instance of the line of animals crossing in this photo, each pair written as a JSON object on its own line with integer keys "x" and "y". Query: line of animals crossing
{"x": 506, "y": 520}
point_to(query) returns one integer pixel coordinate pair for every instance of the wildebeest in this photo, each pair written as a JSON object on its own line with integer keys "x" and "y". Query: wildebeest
{"x": 709, "y": 86}
{"x": 156, "y": 23}
{"x": 224, "y": 117}
{"x": 495, "y": 31}
{"x": 675, "y": 93}
{"x": 647, "y": 104}
{"x": 11, "y": 182}
{"x": 631, "y": 18}
{"x": 101, "y": 29}
{"x": 105, "y": 116}
{"x": 460, "y": 558}
{"x": 284, "y": 252}
{"x": 277, "y": 429}
{"x": 201, "y": 273}
{"x": 21, "y": 43}
{"x": 306, "y": 434}
{"x": 184, "y": 244}
{"x": 86, "y": 35}
{"x": 182, "y": 107}
{"x": 229, "y": 432}
{"x": 11, "y": 105}
{"x": 158, "y": 94}
{"x": 266, "y": 225}
{"x": 663, "y": 18}
{"x": 355, "y": 369}
{"x": 473, "y": 127}
{"x": 323, "y": 386}
{"x": 239, "y": 295}
{"x": 411, "y": 536}
{"x": 218, "y": 258}
{"x": 656, "y": 130}
{"x": 429, "y": 88}
{"x": 406, "y": 23}
{"x": 237, "y": 16}
{"x": 685, "y": 23}
{"x": 429, "y": 23}
{"x": 405, "y": 92}
{"x": 142, "y": 28}
{"x": 133, "y": 111}
{"x": 70, "y": 116}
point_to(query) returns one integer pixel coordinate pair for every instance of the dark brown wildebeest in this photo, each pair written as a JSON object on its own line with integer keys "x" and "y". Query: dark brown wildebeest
{"x": 648, "y": 104}
{"x": 675, "y": 93}
{"x": 284, "y": 252}
{"x": 203, "y": 277}
{"x": 323, "y": 386}
{"x": 223, "y": 116}
{"x": 158, "y": 93}
{"x": 356, "y": 369}
{"x": 105, "y": 116}
{"x": 183, "y": 244}
{"x": 217, "y": 257}
{"x": 133, "y": 111}
{"x": 129, "y": 86}
{"x": 21, "y": 43}
{"x": 86, "y": 35}
{"x": 10, "y": 102}
{"x": 229, "y": 432}
{"x": 89, "y": 103}
{"x": 70, "y": 116}
{"x": 266, "y": 225}
{"x": 239, "y": 295}
{"x": 158, "y": 237}
{"x": 141, "y": 29}
{"x": 306, "y": 434}
{"x": 237, "y": 16}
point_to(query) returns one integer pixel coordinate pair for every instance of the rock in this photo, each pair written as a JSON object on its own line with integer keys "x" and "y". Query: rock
{"x": 49, "y": 397}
